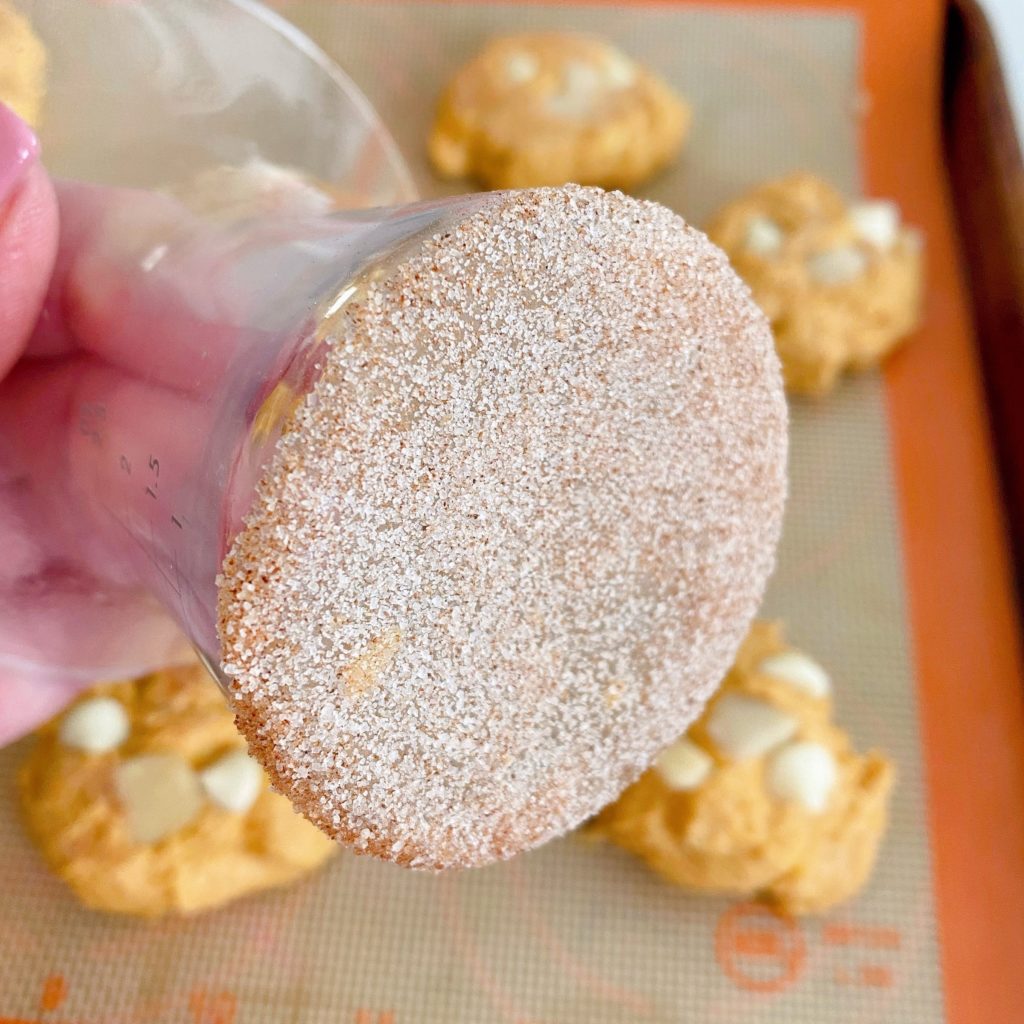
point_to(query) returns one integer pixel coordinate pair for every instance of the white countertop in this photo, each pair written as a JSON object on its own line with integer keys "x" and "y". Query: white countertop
{"x": 1007, "y": 20}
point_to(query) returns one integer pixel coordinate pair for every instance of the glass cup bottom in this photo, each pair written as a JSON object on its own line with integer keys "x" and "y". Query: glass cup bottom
{"x": 180, "y": 346}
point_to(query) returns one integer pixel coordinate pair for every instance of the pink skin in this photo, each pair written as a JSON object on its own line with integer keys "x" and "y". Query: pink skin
{"x": 57, "y": 311}
{"x": 28, "y": 236}
{"x": 137, "y": 344}
{"x": 28, "y": 248}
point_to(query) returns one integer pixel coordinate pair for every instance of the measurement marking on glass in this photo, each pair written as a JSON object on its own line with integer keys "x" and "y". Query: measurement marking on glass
{"x": 176, "y": 587}
{"x": 147, "y": 552}
{"x": 154, "y": 465}
{"x": 92, "y": 417}
{"x": 177, "y": 574}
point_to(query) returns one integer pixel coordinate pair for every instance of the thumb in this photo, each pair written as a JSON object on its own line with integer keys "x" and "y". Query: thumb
{"x": 28, "y": 235}
{"x": 26, "y": 701}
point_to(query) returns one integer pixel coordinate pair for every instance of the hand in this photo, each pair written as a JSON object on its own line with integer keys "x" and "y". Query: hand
{"x": 131, "y": 345}
{"x": 28, "y": 236}
{"x": 28, "y": 247}
{"x": 54, "y": 603}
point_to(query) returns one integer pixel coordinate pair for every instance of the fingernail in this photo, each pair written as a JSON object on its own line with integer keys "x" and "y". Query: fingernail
{"x": 19, "y": 149}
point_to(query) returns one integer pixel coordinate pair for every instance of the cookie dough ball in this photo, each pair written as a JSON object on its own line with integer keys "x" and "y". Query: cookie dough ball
{"x": 841, "y": 283}
{"x": 141, "y": 796}
{"x": 764, "y": 795}
{"x": 548, "y": 108}
{"x": 22, "y": 65}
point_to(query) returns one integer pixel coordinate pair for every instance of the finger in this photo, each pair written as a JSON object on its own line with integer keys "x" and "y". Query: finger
{"x": 129, "y": 289}
{"x": 28, "y": 235}
{"x": 27, "y": 702}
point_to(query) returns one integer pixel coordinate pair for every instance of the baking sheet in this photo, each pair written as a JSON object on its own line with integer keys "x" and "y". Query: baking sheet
{"x": 576, "y": 933}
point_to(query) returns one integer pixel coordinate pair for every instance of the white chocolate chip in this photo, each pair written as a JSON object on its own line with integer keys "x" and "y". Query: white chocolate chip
{"x": 620, "y": 71}
{"x": 764, "y": 237}
{"x": 521, "y": 67}
{"x": 805, "y": 773}
{"x": 233, "y": 781}
{"x": 581, "y": 85}
{"x": 877, "y": 222}
{"x": 684, "y": 765}
{"x": 96, "y": 725}
{"x": 744, "y": 727}
{"x": 799, "y": 671}
{"x": 837, "y": 266}
{"x": 160, "y": 794}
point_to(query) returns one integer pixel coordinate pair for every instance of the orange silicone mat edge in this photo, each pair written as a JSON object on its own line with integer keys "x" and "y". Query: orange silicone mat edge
{"x": 963, "y": 610}
{"x": 963, "y": 613}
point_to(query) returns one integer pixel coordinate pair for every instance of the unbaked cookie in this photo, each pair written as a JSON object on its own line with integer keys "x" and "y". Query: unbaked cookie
{"x": 764, "y": 795}
{"x": 547, "y": 108}
{"x": 141, "y": 796}
{"x": 840, "y": 282}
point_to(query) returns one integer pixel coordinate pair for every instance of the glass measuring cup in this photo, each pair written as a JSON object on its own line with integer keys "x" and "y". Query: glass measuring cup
{"x": 142, "y": 94}
{"x": 181, "y": 344}
{"x": 146, "y": 92}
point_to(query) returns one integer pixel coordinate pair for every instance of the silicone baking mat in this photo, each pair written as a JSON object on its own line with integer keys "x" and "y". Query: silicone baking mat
{"x": 577, "y": 933}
